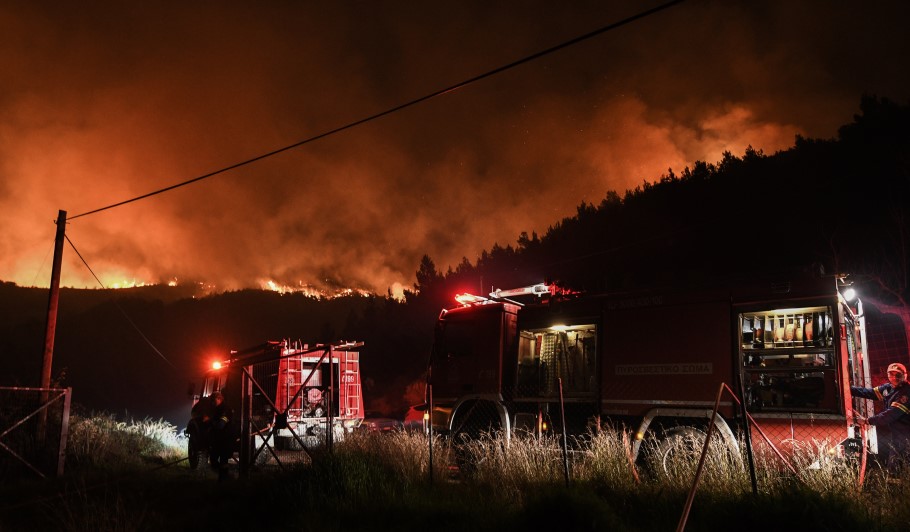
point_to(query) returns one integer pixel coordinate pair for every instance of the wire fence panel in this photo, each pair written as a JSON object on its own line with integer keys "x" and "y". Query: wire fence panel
{"x": 803, "y": 436}
{"x": 476, "y": 417}
{"x": 289, "y": 400}
{"x": 33, "y": 430}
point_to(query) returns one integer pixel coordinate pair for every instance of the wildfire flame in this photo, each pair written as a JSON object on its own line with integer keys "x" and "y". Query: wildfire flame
{"x": 203, "y": 289}
{"x": 128, "y": 284}
{"x": 310, "y": 290}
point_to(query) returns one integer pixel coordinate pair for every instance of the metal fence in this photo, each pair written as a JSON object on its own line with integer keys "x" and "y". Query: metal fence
{"x": 296, "y": 402}
{"x": 33, "y": 431}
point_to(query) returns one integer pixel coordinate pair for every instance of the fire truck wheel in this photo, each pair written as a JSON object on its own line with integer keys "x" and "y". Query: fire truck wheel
{"x": 474, "y": 419}
{"x": 678, "y": 449}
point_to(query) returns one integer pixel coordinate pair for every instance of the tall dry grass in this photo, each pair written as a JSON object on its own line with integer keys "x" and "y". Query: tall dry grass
{"x": 511, "y": 467}
{"x": 406, "y": 452}
{"x": 377, "y": 481}
{"x": 101, "y": 440}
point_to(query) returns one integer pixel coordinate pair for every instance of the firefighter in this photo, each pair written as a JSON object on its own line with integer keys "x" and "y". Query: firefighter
{"x": 197, "y": 430}
{"x": 895, "y": 418}
{"x": 222, "y": 435}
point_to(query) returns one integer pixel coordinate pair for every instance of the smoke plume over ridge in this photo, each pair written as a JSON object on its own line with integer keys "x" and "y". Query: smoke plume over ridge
{"x": 108, "y": 101}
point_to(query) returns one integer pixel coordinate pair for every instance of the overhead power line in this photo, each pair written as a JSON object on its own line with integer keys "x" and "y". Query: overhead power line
{"x": 397, "y": 108}
{"x": 125, "y": 315}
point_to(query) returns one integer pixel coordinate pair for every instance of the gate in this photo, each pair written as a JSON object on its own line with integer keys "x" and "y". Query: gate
{"x": 293, "y": 399}
{"x": 33, "y": 429}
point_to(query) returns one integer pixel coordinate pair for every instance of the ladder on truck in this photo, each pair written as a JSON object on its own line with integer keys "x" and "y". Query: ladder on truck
{"x": 349, "y": 365}
{"x": 294, "y": 378}
{"x": 350, "y": 391}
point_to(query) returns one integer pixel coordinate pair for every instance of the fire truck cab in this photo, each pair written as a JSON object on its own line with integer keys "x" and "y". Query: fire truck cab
{"x": 654, "y": 361}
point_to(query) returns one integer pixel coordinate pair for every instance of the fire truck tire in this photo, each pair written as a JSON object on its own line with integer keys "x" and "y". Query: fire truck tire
{"x": 475, "y": 418}
{"x": 676, "y": 446}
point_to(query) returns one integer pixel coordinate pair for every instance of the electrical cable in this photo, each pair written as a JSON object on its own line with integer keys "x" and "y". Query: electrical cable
{"x": 43, "y": 261}
{"x": 116, "y": 304}
{"x": 400, "y": 107}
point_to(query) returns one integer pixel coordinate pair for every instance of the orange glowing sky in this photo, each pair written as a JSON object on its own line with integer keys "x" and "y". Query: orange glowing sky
{"x": 104, "y": 102}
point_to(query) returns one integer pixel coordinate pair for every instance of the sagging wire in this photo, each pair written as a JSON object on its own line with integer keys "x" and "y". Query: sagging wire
{"x": 439, "y": 92}
{"x": 125, "y": 315}
{"x": 43, "y": 262}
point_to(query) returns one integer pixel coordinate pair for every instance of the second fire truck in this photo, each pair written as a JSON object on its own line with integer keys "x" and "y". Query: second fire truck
{"x": 653, "y": 361}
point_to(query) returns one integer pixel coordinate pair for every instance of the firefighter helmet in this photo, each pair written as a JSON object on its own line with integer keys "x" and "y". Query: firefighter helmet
{"x": 897, "y": 367}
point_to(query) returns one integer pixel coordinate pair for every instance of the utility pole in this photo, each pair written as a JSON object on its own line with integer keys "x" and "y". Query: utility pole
{"x": 52, "y": 300}
{"x": 50, "y": 329}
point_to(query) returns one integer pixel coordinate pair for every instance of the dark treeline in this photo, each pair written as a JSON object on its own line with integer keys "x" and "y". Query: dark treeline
{"x": 842, "y": 204}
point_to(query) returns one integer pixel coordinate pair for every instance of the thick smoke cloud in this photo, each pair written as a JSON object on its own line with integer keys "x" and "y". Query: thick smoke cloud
{"x": 107, "y": 101}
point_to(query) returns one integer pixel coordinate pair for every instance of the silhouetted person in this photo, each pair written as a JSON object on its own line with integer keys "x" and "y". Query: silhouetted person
{"x": 222, "y": 435}
{"x": 198, "y": 430}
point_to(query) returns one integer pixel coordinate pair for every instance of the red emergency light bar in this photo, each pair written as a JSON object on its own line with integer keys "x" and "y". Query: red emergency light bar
{"x": 540, "y": 291}
{"x": 469, "y": 299}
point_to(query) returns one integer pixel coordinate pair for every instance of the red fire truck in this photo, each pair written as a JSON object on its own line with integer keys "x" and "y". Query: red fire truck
{"x": 285, "y": 395}
{"x": 654, "y": 361}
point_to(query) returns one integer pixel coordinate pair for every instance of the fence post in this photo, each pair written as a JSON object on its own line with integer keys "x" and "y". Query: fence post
{"x": 246, "y": 419}
{"x": 565, "y": 451}
{"x": 747, "y": 434}
{"x": 330, "y": 433}
{"x": 64, "y": 430}
{"x": 430, "y": 427}
{"x": 701, "y": 462}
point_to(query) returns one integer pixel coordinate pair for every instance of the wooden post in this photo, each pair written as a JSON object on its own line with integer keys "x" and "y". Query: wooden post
{"x": 64, "y": 431}
{"x": 52, "y": 301}
{"x": 50, "y": 329}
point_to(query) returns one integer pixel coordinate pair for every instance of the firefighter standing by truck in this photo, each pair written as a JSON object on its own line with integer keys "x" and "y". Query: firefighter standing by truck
{"x": 896, "y": 415}
{"x": 222, "y": 435}
{"x": 197, "y": 431}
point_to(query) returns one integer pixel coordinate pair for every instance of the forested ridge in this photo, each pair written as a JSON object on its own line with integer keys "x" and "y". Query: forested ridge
{"x": 841, "y": 204}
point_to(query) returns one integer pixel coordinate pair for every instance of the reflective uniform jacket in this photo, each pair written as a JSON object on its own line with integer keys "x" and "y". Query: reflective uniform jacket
{"x": 896, "y": 414}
